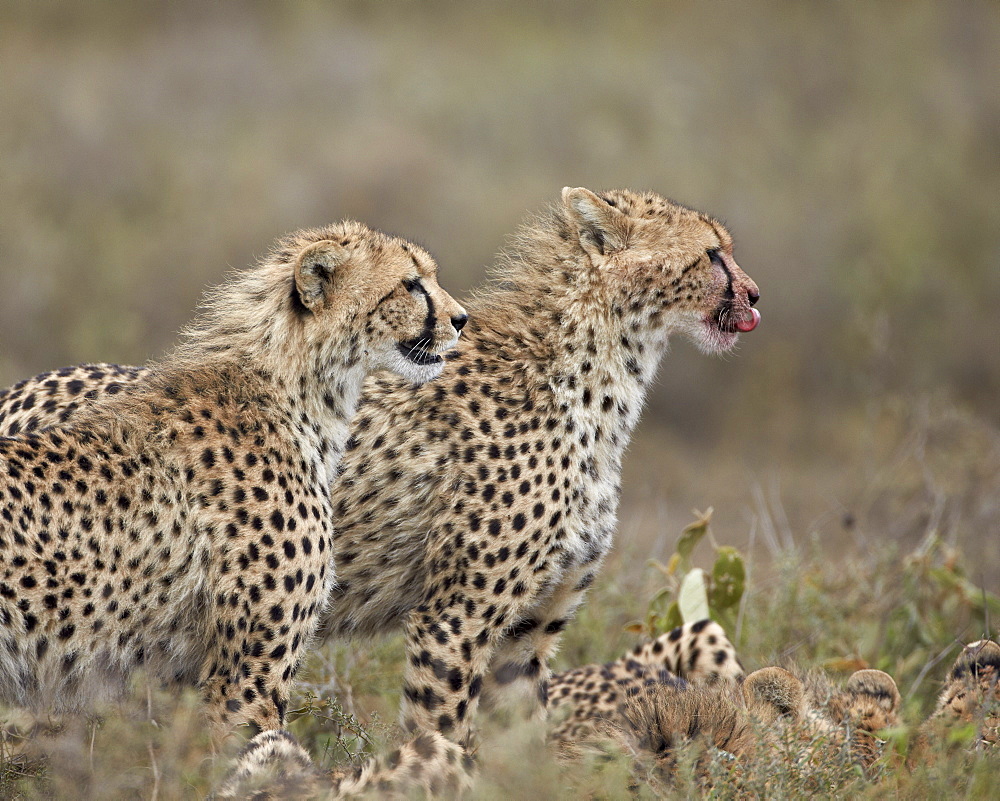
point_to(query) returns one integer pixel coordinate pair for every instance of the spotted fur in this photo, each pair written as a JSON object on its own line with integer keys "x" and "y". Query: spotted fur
{"x": 185, "y": 525}
{"x": 474, "y": 513}
{"x": 970, "y": 698}
{"x": 688, "y": 686}
{"x": 693, "y": 654}
{"x": 274, "y": 766}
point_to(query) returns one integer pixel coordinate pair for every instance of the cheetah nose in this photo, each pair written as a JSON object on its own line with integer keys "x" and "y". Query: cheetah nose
{"x": 460, "y": 321}
{"x": 753, "y": 296}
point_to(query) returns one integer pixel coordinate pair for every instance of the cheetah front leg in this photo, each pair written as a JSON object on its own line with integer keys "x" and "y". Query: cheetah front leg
{"x": 517, "y": 681}
{"x": 449, "y": 642}
{"x": 253, "y": 658}
{"x": 245, "y": 692}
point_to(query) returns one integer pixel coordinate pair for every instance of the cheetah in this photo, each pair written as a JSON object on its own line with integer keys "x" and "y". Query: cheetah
{"x": 868, "y": 703}
{"x": 693, "y": 654}
{"x": 475, "y": 512}
{"x": 655, "y": 719}
{"x": 185, "y": 526}
{"x": 971, "y": 697}
{"x": 772, "y": 711}
{"x": 689, "y": 685}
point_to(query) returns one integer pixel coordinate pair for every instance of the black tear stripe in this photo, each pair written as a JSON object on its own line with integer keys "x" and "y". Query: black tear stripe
{"x": 716, "y": 259}
{"x": 691, "y": 266}
{"x": 410, "y": 285}
{"x": 385, "y": 297}
{"x": 428, "y": 332}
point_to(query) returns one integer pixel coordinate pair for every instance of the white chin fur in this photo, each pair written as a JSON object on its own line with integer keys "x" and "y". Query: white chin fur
{"x": 417, "y": 373}
{"x": 447, "y": 346}
{"x": 707, "y": 336}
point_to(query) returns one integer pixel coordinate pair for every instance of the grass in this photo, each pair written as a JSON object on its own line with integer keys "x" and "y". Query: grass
{"x": 903, "y": 593}
{"x": 906, "y": 613}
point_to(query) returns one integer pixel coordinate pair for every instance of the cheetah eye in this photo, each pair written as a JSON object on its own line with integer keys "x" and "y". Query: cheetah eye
{"x": 713, "y": 255}
{"x": 413, "y": 286}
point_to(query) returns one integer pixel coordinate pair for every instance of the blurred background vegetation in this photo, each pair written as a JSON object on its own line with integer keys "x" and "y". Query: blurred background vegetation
{"x": 853, "y": 149}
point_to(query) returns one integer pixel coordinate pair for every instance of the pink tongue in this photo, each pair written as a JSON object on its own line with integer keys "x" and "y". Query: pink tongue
{"x": 751, "y": 324}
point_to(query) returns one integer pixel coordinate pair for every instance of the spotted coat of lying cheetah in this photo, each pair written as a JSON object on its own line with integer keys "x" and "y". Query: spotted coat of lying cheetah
{"x": 475, "y": 512}
{"x": 771, "y": 709}
{"x": 185, "y": 525}
{"x": 689, "y": 684}
{"x": 693, "y": 654}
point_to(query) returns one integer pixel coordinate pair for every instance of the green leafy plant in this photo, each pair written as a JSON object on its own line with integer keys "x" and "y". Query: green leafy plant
{"x": 691, "y": 593}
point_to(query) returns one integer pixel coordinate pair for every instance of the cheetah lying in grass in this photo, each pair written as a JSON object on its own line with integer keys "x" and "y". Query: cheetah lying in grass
{"x": 779, "y": 717}
{"x": 697, "y": 654}
{"x": 185, "y": 526}
{"x": 970, "y": 700}
{"x": 693, "y": 692}
{"x": 476, "y": 513}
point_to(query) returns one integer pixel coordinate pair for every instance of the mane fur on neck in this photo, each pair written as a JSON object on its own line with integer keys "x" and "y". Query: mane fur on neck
{"x": 250, "y": 338}
{"x": 536, "y": 281}
{"x": 253, "y": 319}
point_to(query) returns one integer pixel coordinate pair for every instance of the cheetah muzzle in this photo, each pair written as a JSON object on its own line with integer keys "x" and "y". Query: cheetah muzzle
{"x": 735, "y": 314}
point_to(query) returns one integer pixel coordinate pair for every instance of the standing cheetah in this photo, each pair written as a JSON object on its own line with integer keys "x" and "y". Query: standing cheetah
{"x": 186, "y": 525}
{"x": 476, "y": 511}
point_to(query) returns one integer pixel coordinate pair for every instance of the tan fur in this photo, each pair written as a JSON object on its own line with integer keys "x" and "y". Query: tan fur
{"x": 274, "y": 766}
{"x": 773, "y": 693}
{"x": 971, "y": 697}
{"x": 662, "y": 691}
{"x": 185, "y": 525}
{"x": 648, "y": 711}
{"x": 475, "y": 512}
{"x": 697, "y": 653}
{"x": 719, "y": 719}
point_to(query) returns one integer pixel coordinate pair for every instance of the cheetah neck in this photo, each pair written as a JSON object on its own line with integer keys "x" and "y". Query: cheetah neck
{"x": 245, "y": 334}
{"x": 321, "y": 414}
{"x": 596, "y": 362}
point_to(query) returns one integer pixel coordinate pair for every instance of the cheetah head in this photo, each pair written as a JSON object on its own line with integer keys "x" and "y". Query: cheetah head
{"x": 386, "y": 290}
{"x": 670, "y": 264}
{"x": 872, "y": 700}
{"x": 772, "y": 693}
{"x": 972, "y": 691}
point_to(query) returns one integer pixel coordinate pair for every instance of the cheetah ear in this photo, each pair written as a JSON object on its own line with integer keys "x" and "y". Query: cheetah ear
{"x": 773, "y": 692}
{"x": 601, "y": 227}
{"x": 315, "y": 272}
{"x": 878, "y": 685}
